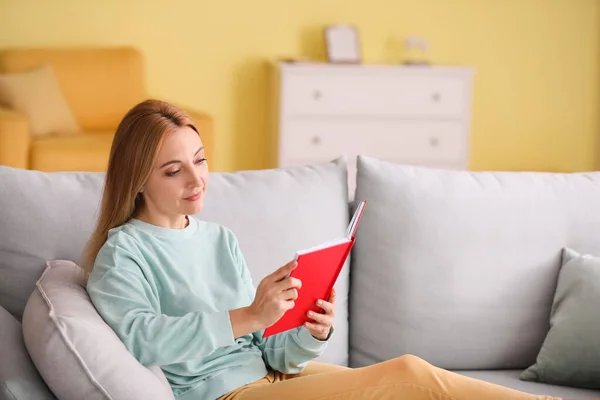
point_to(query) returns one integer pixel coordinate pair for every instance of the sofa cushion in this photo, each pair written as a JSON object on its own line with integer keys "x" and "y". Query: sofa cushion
{"x": 510, "y": 378}
{"x": 62, "y": 327}
{"x": 81, "y": 152}
{"x": 36, "y": 94}
{"x": 460, "y": 267}
{"x": 276, "y": 212}
{"x": 570, "y": 354}
{"x": 43, "y": 216}
{"x": 19, "y": 380}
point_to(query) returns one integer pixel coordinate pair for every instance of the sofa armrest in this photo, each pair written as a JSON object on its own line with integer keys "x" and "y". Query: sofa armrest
{"x": 15, "y": 138}
{"x": 205, "y": 125}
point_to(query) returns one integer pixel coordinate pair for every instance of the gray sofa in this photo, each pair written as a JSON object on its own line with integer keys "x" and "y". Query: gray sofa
{"x": 458, "y": 268}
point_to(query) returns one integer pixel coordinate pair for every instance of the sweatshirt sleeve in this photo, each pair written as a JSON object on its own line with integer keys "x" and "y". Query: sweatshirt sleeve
{"x": 129, "y": 304}
{"x": 287, "y": 352}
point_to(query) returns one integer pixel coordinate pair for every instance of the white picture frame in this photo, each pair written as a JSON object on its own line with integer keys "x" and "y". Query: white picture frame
{"x": 343, "y": 44}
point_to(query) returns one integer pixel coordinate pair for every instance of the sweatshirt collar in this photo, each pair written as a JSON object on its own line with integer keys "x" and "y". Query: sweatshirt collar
{"x": 156, "y": 230}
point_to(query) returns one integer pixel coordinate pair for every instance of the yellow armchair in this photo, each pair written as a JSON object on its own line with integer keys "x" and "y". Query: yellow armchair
{"x": 100, "y": 85}
{"x": 14, "y": 138}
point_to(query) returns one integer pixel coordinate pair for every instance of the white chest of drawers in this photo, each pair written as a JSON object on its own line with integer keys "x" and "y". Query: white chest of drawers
{"x": 409, "y": 115}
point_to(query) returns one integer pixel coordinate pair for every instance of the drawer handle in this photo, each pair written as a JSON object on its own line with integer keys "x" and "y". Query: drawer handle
{"x": 317, "y": 94}
{"x": 434, "y": 142}
{"x": 436, "y": 97}
{"x": 316, "y": 140}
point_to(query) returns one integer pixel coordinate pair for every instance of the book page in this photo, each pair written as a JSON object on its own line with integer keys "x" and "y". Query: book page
{"x": 354, "y": 221}
{"x": 350, "y": 230}
{"x": 322, "y": 246}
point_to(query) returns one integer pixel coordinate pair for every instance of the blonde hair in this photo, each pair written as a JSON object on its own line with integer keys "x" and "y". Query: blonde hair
{"x": 132, "y": 154}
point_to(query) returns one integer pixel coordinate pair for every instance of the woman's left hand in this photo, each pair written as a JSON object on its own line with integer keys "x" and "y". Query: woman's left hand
{"x": 322, "y": 322}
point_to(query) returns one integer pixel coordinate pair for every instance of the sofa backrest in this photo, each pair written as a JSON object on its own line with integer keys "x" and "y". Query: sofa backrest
{"x": 43, "y": 216}
{"x": 100, "y": 84}
{"x": 460, "y": 268}
{"x": 273, "y": 213}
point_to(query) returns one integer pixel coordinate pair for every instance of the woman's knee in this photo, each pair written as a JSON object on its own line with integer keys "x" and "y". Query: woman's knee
{"x": 410, "y": 361}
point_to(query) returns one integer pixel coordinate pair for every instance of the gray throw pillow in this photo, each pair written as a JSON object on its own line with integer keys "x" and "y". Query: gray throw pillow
{"x": 570, "y": 354}
{"x": 19, "y": 379}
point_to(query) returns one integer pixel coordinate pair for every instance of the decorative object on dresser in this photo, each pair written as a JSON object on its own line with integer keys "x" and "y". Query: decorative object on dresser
{"x": 416, "y": 51}
{"x": 343, "y": 45}
{"x": 409, "y": 115}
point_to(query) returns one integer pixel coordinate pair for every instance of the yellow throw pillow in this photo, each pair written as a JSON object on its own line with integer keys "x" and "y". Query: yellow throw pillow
{"x": 36, "y": 93}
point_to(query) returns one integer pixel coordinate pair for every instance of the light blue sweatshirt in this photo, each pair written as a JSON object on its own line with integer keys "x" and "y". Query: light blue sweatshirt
{"x": 167, "y": 293}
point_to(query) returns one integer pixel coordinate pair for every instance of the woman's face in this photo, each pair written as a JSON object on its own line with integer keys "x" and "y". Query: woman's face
{"x": 178, "y": 180}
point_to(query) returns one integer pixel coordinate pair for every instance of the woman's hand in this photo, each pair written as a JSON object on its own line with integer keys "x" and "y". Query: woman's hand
{"x": 275, "y": 295}
{"x": 322, "y": 321}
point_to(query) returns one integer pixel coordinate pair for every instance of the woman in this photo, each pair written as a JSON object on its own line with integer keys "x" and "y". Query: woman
{"x": 177, "y": 291}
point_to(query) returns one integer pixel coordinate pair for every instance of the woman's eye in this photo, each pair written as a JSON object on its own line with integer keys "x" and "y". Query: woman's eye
{"x": 173, "y": 173}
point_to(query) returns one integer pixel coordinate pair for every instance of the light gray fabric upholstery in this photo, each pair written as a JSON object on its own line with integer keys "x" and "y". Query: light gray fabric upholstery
{"x": 274, "y": 213}
{"x": 19, "y": 379}
{"x": 42, "y": 217}
{"x": 510, "y": 378}
{"x": 570, "y": 354}
{"x": 460, "y": 268}
{"x": 62, "y": 328}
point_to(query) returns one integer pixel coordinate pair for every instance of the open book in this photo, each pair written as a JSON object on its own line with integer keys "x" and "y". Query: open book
{"x": 318, "y": 269}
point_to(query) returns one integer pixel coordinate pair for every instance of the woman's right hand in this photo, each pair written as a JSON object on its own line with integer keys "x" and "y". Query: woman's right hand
{"x": 275, "y": 295}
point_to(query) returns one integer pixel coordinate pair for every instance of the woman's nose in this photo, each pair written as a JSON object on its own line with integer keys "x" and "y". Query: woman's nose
{"x": 196, "y": 178}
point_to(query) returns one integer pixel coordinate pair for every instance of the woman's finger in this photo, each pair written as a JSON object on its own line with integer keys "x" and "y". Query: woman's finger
{"x": 317, "y": 329}
{"x": 332, "y": 296}
{"x": 327, "y": 306}
{"x": 288, "y": 283}
{"x": 323, "y": 319}
{"x": 290, "y": 294}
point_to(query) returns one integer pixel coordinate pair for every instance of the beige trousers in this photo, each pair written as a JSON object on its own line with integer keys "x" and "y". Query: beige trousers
{"x": 407, "y": 378}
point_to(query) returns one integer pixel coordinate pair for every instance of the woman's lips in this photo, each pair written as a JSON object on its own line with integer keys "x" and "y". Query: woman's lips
{"x": 194, "y": 197}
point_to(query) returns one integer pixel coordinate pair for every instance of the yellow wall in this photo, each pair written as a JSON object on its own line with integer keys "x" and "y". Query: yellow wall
{"x": 536, "y": 87}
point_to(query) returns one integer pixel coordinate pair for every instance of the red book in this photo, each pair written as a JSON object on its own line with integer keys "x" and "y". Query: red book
{"x": 318, "y": 269}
